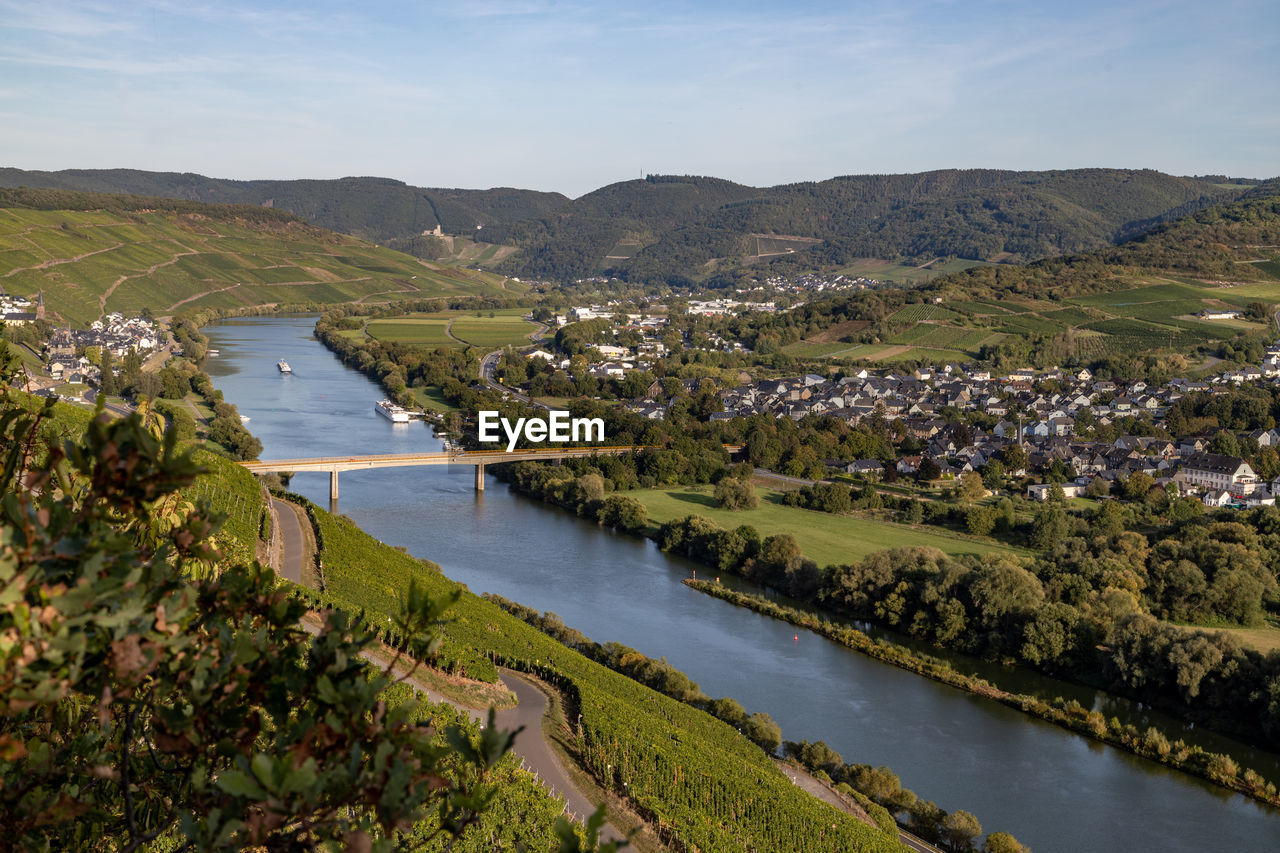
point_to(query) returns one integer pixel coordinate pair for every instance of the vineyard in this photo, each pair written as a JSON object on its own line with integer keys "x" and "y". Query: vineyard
{"x": 230, "y": 491}
{"x": 703, "y": 784}
{"x": 521, "y": 811}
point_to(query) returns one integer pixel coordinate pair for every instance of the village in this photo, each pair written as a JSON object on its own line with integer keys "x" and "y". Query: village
{"x": 1065, "y": 420}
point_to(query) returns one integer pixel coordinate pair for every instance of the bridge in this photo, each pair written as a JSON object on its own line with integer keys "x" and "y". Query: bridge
{"x": 478, "y": 458}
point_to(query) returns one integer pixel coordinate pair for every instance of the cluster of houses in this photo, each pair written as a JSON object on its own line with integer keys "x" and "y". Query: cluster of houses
{"x": 19, "y": 310}
{"x": 114, "y": 332}
{"x": 815, "y": 283}
{"x": 1042, "y": 423}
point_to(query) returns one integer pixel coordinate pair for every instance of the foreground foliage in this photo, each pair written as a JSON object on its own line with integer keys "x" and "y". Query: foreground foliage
{"x": 152, "y": 694}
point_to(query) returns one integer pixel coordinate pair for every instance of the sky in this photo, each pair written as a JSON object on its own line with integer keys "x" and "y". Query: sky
{"x": 569, "y": 96}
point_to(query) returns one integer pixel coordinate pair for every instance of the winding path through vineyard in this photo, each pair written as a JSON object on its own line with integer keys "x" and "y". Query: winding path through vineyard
{"x": 531, "y": 744}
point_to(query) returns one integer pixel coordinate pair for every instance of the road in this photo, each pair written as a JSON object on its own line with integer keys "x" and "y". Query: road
{"x": 532, "y": 746}
{"x": 291, "y": 538}
{"x": 490, "y": 363}
{"x": 91, "y": 395}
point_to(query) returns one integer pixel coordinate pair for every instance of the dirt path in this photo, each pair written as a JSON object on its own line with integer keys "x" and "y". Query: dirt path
{"x": 102, "y": 300}
{"x": 44, "y": 265}
{"x": 810, "y": 784}
{"x": 448, "y": 330}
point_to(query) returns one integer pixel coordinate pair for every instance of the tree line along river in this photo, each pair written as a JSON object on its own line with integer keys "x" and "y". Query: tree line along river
{"x": 1054, "y": 790}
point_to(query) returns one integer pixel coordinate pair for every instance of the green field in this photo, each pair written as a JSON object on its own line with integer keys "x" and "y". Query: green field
{"x": 419, "y": 332}
{"x": 905, "y": 273}
{"x": 1154, "y": 314}
{"x": 825, "y": 538}
{"x": 91, "y": 262}
{"x": 456, "y": 329}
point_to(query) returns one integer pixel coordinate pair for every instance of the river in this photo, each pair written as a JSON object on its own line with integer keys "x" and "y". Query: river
{"x": 1056, "y": 791}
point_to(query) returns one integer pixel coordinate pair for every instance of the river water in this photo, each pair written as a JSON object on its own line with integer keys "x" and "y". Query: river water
{"x": 1054, "y": 790}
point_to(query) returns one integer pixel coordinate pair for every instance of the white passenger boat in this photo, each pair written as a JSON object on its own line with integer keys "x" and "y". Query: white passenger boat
{"x": 391, "y": 411}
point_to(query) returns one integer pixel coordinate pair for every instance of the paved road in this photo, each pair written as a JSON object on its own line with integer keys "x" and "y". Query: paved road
{"x": 531, "y": 745}
{"x": 290, "y": 529}
{"x": 488, "y": 364}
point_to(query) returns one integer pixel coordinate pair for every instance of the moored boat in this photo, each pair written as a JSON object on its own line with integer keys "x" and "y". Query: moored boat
{"x": 391, "y": 411}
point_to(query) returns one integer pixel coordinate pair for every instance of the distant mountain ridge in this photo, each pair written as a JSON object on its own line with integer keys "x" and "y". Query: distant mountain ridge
{"x": 378, "y": 209}
{"x": 676, "y": 227}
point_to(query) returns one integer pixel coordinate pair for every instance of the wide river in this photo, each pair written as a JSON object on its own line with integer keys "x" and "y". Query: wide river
{"x": 1054, "y": 790}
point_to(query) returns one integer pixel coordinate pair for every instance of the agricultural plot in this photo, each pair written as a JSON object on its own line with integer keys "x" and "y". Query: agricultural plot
{"x": 769, "y": 244}
{"x": 493, "y": 331}
{"x": 420, "y": 332}
{"x": 883, "y": 270}
{"x": 930, "y": 354}
{"x": 454, "y": 329}
{"x": 88, "y": 262}
{"x": 919, "y": 313}
{"x": 942, "y": 337}
{"x": 813, "y": 349}
{"x": 979, "y": 309}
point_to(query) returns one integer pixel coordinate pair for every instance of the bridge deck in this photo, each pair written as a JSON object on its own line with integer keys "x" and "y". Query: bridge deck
{"x": 391, "y": 460}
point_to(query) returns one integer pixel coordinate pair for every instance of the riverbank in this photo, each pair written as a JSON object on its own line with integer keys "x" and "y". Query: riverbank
{"x": 1215, "y": 767}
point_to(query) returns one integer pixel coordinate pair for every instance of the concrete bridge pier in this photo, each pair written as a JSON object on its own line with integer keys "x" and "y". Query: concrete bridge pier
{"x": 333, "y": 485}
{"x": 479, "y": 477}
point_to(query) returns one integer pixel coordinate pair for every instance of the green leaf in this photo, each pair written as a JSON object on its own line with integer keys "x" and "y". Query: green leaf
{"x": 237, "y": 783}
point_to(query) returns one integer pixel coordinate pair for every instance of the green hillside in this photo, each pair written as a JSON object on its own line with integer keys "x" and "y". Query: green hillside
{"x": 93, "y": 254}
{"x": 373, "y": 208}
{"x": 1139, "y": 298}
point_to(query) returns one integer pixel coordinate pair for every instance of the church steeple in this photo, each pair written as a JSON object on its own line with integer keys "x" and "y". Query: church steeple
{"x": 40, "y": 305}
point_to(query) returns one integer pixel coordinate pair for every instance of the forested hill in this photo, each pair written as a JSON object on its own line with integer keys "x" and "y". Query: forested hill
{"x": 1228, "y": 243}
{"x": 668, "y": 227}
{"x": 664, "y": 226}
{"x": 377, "y": 209}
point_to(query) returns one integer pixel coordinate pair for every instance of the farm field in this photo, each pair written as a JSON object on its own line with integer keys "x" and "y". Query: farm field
{"x": 90, "y": 262}
{"x": 1156, "y": 314}
{"x": 827, "y": 539}
{"x": 883, "y": 270}
{"x": 455, "y": 329}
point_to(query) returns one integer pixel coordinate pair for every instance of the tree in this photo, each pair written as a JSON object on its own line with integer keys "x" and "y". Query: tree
{"x": 959, "y": 829}
{"x": 993, "y": 474}
{"x": 761, "y": 729}
{"x": 1138, "y": 484}
{"x": 972, "y": 487}
{"x": 928, "y": 471}
{"x": 1015, "y": 458}
{"x": 1003, "y": 842}
{"x": 736, "y": 494}
{"x": 107, "y": 385}
{"x": 981, "y": 520}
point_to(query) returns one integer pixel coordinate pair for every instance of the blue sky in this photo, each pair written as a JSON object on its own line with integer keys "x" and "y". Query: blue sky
{"x": 570, "y": 96}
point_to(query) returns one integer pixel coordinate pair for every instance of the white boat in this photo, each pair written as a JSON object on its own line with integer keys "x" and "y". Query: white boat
{"x": 244, "y": 419}
{"x": 284, "y": 366}
{"x": 391, "y": 411}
